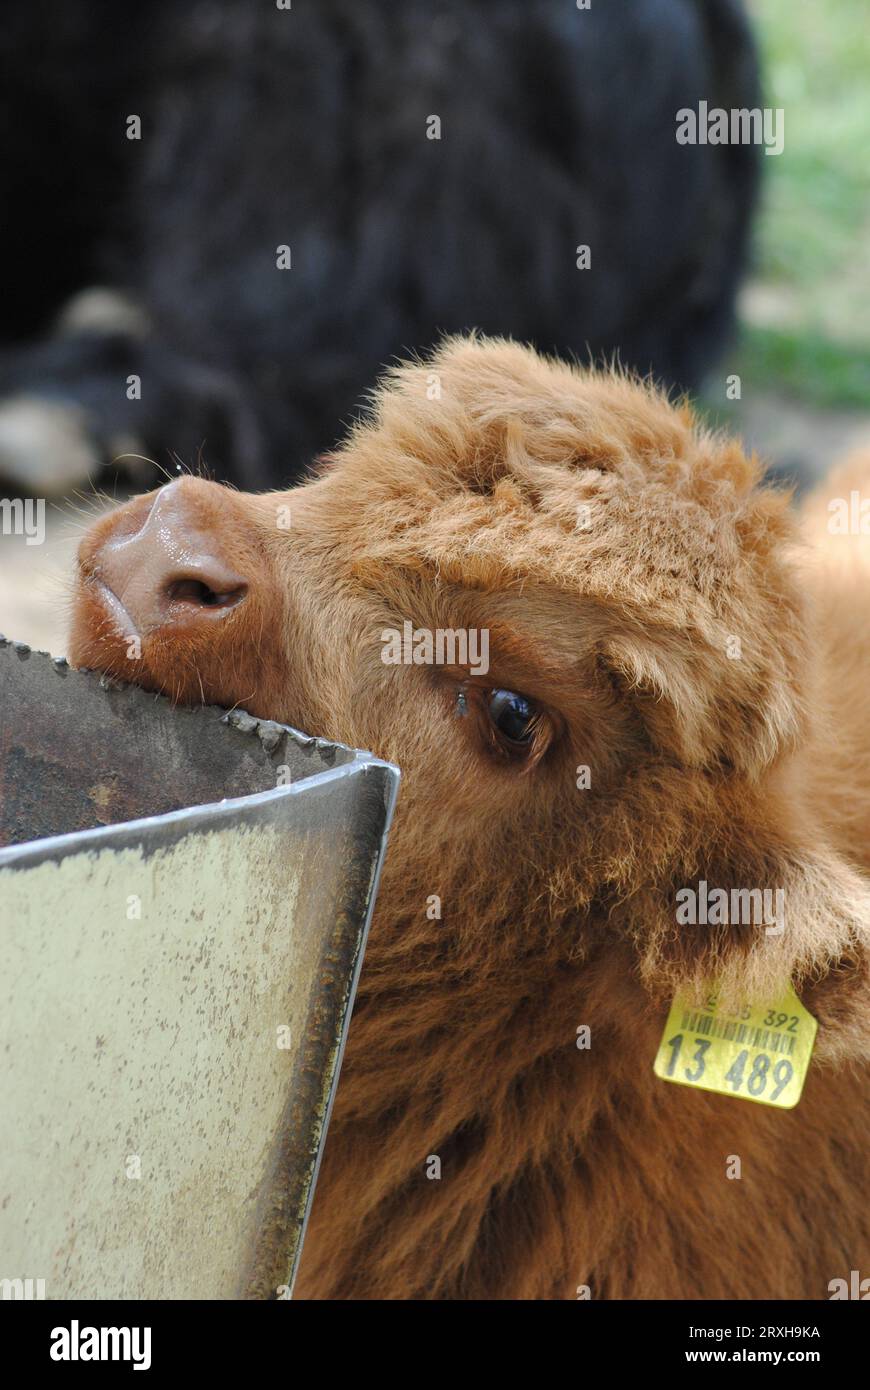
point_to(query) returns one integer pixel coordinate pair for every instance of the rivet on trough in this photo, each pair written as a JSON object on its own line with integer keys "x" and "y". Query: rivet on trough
{"x": 270, "y": 735}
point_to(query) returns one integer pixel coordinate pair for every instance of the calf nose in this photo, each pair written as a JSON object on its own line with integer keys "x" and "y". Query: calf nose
{"x": 169, "y": 572}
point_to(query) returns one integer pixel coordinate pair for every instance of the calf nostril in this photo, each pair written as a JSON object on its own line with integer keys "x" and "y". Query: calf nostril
{"x": 197, "y": 594}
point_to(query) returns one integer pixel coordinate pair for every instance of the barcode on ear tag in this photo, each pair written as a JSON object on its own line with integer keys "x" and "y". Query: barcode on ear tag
{"x": 760, "y": 1052}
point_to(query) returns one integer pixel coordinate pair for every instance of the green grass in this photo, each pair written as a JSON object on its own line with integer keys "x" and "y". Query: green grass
{"x": 813, "y": 238}
{"x": 817, "y": 369}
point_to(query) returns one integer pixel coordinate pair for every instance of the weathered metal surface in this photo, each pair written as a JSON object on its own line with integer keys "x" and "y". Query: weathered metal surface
{"x": 175, "y": 991}
{"x": 77, "y": 751}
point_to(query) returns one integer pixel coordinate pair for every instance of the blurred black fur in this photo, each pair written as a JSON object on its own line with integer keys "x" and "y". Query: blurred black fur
{"x": 307, "y": 127}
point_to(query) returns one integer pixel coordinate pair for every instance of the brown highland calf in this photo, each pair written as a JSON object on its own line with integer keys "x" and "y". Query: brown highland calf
{"x": 676, "y": 689}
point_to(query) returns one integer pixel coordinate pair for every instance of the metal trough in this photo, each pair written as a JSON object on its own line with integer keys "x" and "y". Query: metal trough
{"x": 174, "y": 990}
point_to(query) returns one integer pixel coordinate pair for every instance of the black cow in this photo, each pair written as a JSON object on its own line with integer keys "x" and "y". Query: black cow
{"x": 313, "y": 128}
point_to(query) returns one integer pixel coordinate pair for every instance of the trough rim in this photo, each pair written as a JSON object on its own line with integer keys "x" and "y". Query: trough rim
{"x": 127, "y": 833}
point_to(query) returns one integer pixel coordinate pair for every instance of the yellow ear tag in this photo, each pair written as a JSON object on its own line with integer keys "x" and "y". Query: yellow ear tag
{"x": 758, "y": 1053}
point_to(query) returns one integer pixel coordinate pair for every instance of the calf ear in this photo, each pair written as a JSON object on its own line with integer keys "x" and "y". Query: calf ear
{"x": 672, "y": 706}
{"x": 822, "y": 949}
{"x": 702, "y": 709}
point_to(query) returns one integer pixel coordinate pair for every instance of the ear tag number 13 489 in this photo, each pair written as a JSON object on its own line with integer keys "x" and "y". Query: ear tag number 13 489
{"x": 758, "y": 1052}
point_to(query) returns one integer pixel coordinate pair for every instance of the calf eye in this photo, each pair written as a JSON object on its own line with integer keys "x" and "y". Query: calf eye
{"x": 513, "y": 715}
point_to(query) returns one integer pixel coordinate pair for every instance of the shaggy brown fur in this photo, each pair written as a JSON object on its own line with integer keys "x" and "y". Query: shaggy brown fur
{"x": 562, "y": 1167}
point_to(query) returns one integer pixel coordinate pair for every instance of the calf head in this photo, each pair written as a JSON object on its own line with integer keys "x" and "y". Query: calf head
{"x": 576, "y": 622}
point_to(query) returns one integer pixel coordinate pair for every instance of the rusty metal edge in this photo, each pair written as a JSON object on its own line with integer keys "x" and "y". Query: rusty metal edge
{"x": 268, "y": 731}
{"x": 154, "y": 832}
{"x": 392, "y": 792}
{"x": 283, "y": 1221}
